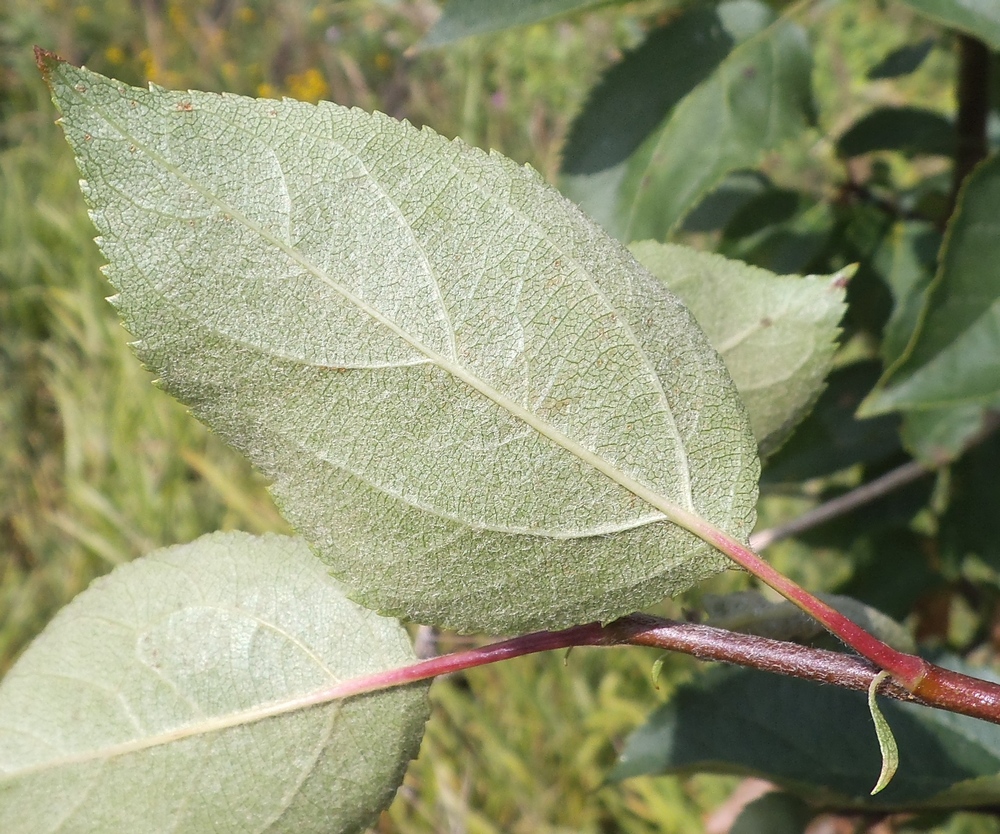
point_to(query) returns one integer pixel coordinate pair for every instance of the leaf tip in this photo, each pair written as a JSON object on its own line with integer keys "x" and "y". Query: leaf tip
{"x": 46, "y": 61}
{"x": 886, "y": 741}
{"x": 842, "y": 277}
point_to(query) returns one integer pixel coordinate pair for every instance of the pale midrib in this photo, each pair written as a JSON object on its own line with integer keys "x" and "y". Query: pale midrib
{"x": 205, "y": 726}
{"x": 671, "y": 511}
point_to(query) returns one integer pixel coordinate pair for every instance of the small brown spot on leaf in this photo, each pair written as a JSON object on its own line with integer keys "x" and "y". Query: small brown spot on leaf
{"x": 766, "y": 322}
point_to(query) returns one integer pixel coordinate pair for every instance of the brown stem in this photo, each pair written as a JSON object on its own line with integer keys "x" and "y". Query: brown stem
{"x": 938, "y": 687}
{"x": 907, "y": 669}
{"x": 858, "y": 497}
{"x": 973, "y": 93}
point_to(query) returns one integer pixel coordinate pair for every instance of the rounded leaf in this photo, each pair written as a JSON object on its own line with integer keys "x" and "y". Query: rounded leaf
{"x": 184, "y": 693}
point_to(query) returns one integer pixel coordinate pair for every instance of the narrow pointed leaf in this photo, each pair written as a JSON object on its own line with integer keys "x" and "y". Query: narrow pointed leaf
{"x": 174, "y": 694}
{"x": 475, "y": 406}
{"x": 903, "y": 60}
{"x": 735, "y": 87}
{"x": 954, "y": 357}
{"x": 776, "y": 333}
{"x": 886, "y": 741}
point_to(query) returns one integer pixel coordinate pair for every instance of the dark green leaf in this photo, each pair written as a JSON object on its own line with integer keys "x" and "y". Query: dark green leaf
{"x": 776, "y": 205}
{"x": 720, "y": 205}
{"x": 903, "y": 60}
{"x": 637, "y": 93}
{"x": 745, "y": 83}
{"x": 910, "y": 130}
{"x": 185, "y": 692}
{"x": 459, "y": 386}
{"x": 462, "y": 18}
{"x": 773, "y": 813}
{"x": 979, "y": 18}
{"x": 816, "y": 741}
{"x": 781, "y": 232}
{"x": 940, "y": 435}
{"x": 954, "y": 358}
{"x": 831, "y": 438}
{"x": 906, "y": 261}
{"x": 893, "y": 567}
{"x": 969, "y": 524}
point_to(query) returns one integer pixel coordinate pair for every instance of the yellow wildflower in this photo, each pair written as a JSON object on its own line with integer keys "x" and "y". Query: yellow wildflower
{"x": 114, "y": 55}
{"x": 307, "y": 86}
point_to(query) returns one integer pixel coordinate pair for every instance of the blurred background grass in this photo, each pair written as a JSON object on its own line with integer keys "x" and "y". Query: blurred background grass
{"x": 97, "y": 466}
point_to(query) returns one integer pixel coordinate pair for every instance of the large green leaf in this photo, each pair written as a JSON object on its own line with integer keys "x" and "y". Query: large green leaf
{"x": 475, "y": 406}
{"x": 175, "y": 695}
{"x": 776, "y": 333}
{"x": 817, "y": 741}
{"x": 724, "y": 86}
{"x": 906, "y": 261}
{"x": 954, "y": 358}
{"x": 462, "y": 18}
{"x": 979, "y": 18}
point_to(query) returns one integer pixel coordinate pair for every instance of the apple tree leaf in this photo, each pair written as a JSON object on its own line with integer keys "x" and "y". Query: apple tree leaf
{"x": 475, "y": 406}
{"x": 776, "y": 333}
{"x": 184, "y": 692}
{"x": 817, "y": 742}
{"x": 953, "y": 357}
{"x": 726, "y": 84}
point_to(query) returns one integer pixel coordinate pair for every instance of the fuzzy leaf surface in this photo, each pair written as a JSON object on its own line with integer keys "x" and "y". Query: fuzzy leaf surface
{"x": 954, "y": 357}
{"x": 166, "y": 697}
{"x": 475, "y": 405}
{"x": 733, "y": 74}
{"x": 776, "y": 333}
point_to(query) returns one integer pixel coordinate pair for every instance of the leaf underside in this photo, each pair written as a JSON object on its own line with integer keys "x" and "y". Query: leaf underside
{"x": 457, "y": 383}
{"x": 777, "y": 334}
{"x": 162, "y": 699}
